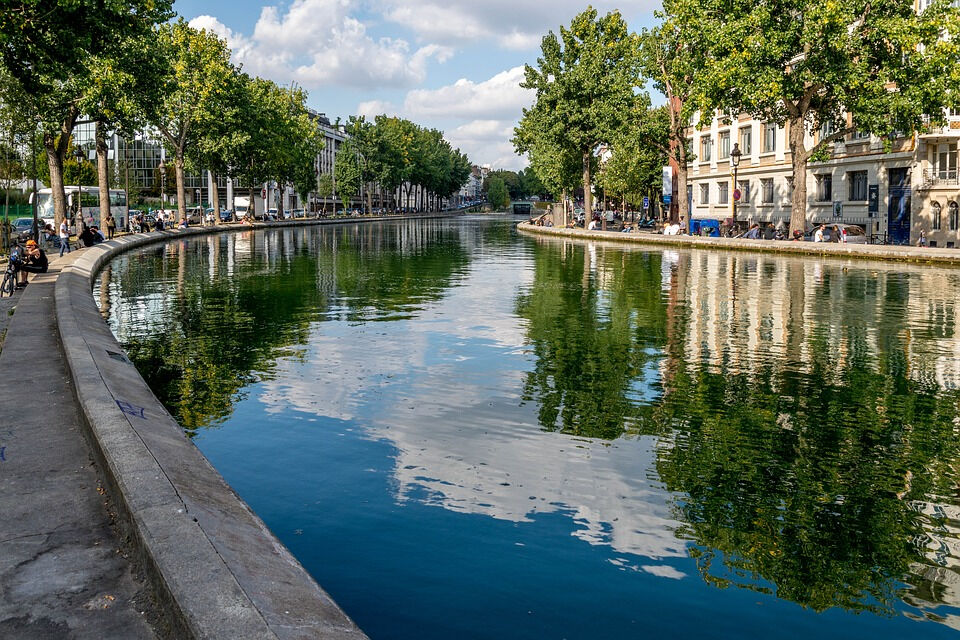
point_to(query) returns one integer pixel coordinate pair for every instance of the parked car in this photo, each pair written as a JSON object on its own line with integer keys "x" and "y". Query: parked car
{"x": 298, "y": 213}
{"x": 23, "y": 229}
{"x": 854, "y": 233}
{"x": 226, "y": 215}
{"x": 271, "y": 214}
{"x": 194, "y": 215}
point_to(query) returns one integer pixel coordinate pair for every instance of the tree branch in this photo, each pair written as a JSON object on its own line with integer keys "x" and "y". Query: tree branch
{"x": 836, "y": 135}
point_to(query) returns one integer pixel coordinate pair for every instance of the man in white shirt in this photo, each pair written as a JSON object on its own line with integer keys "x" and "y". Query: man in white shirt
{"x": 818, "y": 234}
{"x": 592, "y": 226}
{"x": 64, "y": 234}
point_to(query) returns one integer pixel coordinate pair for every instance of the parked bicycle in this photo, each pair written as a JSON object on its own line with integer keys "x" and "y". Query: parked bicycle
{"x": 9, "y": 284}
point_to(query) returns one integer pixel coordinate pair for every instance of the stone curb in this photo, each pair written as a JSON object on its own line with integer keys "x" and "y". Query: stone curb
{"x": 919, "y": 255}
{"x": 217, "y": 569}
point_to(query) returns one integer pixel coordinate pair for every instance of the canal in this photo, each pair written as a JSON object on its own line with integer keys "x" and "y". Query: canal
{"x": 464, "y": 432}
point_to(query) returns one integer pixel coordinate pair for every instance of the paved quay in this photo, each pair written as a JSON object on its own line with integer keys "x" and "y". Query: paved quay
{"x": 899, "y": 253}
{"x": 64, "y": 572}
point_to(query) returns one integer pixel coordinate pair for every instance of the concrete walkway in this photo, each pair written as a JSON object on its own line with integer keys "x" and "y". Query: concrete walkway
{"x": 63, "y": 570}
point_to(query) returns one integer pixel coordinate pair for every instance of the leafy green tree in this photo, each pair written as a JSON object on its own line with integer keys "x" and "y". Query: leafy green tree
{"x": 875, "y": 66}
{"x": 584, "y": 84}
{"x": 47, "y": 48}
{"x": 635, "y": 166}
{"x": 497, "y": 193}
{"x": 347, "y": 172}
{"x": 197, "y": 84}
{"x": 671, "y": 57}
{"x": 325, "y": 188}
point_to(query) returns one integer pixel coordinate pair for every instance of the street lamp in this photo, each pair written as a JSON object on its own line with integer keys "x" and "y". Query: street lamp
{"x": 80, "y": 156}
{"x": 735, "y": 162}
{"x": 162, "y": 167}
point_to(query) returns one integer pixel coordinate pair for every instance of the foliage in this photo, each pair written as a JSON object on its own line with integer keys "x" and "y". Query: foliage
{"x": 635, "y": 166}
{"x": 347, "y": 172}
{"x": 497, "y": 193}
{"x": 197, "y": 84}
{"x": 584, "y": 84}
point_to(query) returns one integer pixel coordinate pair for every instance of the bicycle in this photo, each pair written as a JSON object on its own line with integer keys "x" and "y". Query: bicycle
{"x": 9, "y": 284}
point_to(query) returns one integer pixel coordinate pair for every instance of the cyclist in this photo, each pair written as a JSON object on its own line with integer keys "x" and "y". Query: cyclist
{"x": 34, "y": 260}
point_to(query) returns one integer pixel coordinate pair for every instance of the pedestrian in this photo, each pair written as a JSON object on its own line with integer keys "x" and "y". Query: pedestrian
{"x": 64, "y": 237}
{"x": 922, "y": 240}
{"x": 818, "y": 234}
{"x": 111, "y": 226}
{"x": 753, "y": 233}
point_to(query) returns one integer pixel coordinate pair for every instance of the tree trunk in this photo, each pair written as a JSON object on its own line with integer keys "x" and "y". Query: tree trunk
{"x": 369, "y": 201}
{"x": 214, "y": 197}
{"x": 587, "y": 205}
{"x": 251, "y": 206}
{"x": 181, "y": 189}
{"x": 798, "y": 197}
{"x": 282, "y": 190}
{"x": 100, "y": 137}
{"x": 55, "y": 163}
{"x": 683, "y": 205}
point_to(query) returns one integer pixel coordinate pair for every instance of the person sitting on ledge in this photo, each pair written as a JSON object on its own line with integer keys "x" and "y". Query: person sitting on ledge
{"x": 87, "y": 237}
{"x": 34, "y": 260}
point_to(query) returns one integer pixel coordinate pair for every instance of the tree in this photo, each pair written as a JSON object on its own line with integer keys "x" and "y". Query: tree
{"x": 46, "y": 46}
{"x": 325, "y": 188}
{"x": 197, "y": 84}
{"x": 671, "y": 56}
{"x": 584, "y": 88}
{"x": 826, "y": 69}
{"x": 497, "y": 194}
{"x": 635, "y": 166}
{"x": 347, "y": 172}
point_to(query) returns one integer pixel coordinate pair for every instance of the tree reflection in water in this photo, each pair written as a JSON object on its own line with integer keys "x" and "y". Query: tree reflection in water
{"x": 800, "y": 406}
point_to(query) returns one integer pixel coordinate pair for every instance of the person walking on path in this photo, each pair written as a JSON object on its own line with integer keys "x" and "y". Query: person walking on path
{"x": 64, "y": 237}
{"x": 818, "y": 236}
{"x": 111, "y": 226}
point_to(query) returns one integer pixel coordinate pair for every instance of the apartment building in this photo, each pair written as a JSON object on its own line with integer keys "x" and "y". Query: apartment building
{"x": 866, "y": 180}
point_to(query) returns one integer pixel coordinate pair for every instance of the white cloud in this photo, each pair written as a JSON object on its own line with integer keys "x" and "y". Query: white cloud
{"x": 499, "y": 97}
{"x": 507, "y": 23}
{"x": 319, "y": 42}
{"x": 482, "y": 115}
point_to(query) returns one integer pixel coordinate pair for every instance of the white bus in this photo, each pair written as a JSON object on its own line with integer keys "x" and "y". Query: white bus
{"x": 89, "y": 201}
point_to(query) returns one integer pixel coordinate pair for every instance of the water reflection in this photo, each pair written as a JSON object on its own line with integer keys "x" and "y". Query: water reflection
{"x": 785, "y": 426}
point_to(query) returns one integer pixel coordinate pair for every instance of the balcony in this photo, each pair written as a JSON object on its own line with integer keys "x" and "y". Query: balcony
{"x": 950, "y": 130}
{"x": 939, "y": 179}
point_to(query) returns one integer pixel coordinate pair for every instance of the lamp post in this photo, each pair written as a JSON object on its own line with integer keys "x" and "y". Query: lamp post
{"x": 163, "y": 184}
{"x": 80, "y": 156}
{"x": 735, "y": 192}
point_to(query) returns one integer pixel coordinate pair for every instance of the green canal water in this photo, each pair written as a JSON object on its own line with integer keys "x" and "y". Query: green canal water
{"x": 463, "y": 432}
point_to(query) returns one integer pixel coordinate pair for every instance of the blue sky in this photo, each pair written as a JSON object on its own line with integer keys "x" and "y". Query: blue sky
{"x": 450, "y": 64}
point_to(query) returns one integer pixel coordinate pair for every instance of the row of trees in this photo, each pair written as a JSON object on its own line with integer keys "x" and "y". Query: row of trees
{"x": 390, "y": 156}
{"x": 126, "y": 67}
{"x": 520, "y": 185}
{"x": 874, "y": 66}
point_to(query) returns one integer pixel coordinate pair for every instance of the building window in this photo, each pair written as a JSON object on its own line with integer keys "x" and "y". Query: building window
{"x": 766, "y": 184}
{"x": 724, "y": 151}
{"x": 744, "y": 186}
{"x": 769, "y": 137}
{"x": 860, "y": 135}
{"x": 824, "y": 188}
{"x": 724, "y": 194}
{"x": 858, "y": 185}
{"x": 746, "y": 141}
{"x": 705, "y": 193}
{"x": 706, "y": 148}
{"x": 947, "y": 161}
{"x": 937, "y": 215}
{"x": 954, "y": 215}
{"x": 827, "y": 129}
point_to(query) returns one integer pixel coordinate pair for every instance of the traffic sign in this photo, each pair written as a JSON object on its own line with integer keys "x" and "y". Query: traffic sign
{"x": 667, "y": 198}
{"x": 646, "y": 202}
{"x": 737, "y": 195}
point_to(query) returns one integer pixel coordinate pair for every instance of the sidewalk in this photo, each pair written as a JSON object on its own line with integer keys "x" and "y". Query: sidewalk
{"x": 63, "y": 573}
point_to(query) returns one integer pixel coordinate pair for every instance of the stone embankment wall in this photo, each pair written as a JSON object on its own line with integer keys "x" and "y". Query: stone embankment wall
{"x": 823, "y": 249}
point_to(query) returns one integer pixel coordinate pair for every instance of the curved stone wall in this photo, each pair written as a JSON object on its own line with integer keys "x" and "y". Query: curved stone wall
{"x": 216, "y": 568}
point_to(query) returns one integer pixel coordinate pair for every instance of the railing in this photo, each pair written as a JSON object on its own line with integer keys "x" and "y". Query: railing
{"x": 933, "y": 179}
